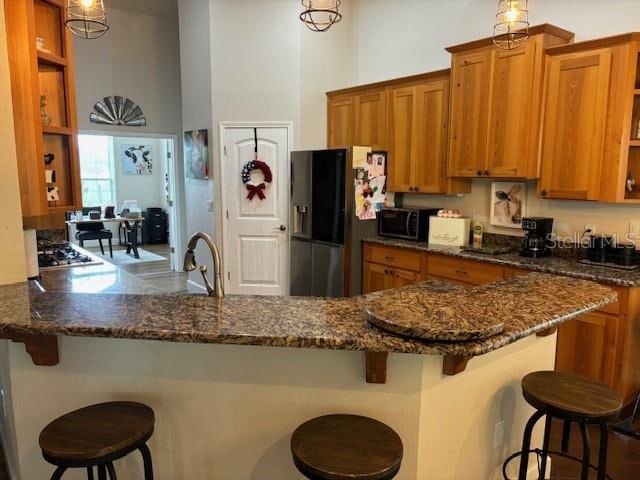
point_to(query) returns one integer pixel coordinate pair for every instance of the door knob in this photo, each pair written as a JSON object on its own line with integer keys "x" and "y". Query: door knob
{"x": 282, "y": 228}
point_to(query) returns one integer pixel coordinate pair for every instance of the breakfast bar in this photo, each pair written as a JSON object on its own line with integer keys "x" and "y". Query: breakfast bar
{"x": 211, "y": 400}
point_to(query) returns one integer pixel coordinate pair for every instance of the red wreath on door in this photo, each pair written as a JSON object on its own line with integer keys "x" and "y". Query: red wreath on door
{"x": 246, "y": 178}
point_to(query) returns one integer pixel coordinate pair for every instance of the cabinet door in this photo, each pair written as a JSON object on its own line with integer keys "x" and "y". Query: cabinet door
{"x": 432, "y": 113}
{"x": 371, "y": 119}
{"x": 376, "y": 277}
{"x": 402, "y": 121}
{"x": 510, "y": 122}
{"x": 340, "y": 118}
{"x": 402, "y": 278}
{"x": 587, "y": 346}
{"x": 577, "y": 89}
{"x": 469, "y": 113}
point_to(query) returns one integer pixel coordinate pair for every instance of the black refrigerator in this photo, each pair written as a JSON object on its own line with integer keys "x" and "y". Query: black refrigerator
{"x": 326, "y": 236}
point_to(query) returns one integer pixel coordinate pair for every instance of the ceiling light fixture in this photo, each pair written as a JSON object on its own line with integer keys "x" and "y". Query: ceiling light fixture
{"x": 320, "y": 15}
{"x": 86, "y": 18}
{"x": 512, "y": 24}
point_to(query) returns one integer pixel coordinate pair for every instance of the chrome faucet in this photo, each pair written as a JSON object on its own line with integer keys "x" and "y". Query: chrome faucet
{"x": 216, "y": 289}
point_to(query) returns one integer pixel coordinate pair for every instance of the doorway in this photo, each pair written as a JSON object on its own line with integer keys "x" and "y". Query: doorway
{"x": 255, "y": 202}
{"x": 141, "y": 172}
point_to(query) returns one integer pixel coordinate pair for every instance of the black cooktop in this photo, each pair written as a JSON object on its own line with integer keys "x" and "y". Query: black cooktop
{"x": 60, "y": 255}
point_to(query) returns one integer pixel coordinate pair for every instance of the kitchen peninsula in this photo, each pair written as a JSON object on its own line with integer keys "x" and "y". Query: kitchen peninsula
{"x": 240, "y": 401}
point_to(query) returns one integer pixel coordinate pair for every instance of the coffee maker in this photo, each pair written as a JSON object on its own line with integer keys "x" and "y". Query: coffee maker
{"x": 537, "y": 237}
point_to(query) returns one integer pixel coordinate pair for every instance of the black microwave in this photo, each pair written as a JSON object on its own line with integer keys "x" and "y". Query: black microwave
{"x": 405, "y": 223}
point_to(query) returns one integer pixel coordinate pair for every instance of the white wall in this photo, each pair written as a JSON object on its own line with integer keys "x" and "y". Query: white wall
{"x": 411, "y": 38}
{"x": 195, "y": 65}
{"x": 137, "y": 58}
{"x": 12, "y": 257}
{"x": 227, "y": 412}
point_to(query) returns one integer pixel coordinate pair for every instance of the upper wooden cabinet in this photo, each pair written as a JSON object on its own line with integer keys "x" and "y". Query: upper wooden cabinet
{"x": 340, "y": 119}
{"x": 574, "y": 128}
{"x": 591, "y": 136}
{"x": 469, "y": 113}
{"x": 496, "y": 100}
{"x": 44, "y": 110}
{"x": 370, "y": 121}
{"x": 418, "y": 122}
{"x": 408, "y": 118}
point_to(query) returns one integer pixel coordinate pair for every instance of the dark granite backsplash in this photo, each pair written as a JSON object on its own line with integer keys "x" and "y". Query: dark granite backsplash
{"x": 568, "y": 251}
{"x": 56, "y": 236}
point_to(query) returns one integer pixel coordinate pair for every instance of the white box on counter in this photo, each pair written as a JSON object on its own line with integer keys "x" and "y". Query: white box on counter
{"x": 451, "y": 232}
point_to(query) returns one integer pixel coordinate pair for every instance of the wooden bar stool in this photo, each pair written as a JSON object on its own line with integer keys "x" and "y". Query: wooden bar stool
{"x": 98, "y": 435}
{"x": 346, "y": 447}
{"x": 573, "y": 399}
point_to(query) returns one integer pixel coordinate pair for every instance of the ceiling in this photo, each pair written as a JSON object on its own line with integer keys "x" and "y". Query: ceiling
{"x": 156, "y": 8}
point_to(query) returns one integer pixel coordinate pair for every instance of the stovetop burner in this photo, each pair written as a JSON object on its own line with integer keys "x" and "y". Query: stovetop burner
{"x": 57, "y": 255}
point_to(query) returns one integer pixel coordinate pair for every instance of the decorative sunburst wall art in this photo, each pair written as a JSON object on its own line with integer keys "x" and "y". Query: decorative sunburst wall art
{"x": 118, "y": 110}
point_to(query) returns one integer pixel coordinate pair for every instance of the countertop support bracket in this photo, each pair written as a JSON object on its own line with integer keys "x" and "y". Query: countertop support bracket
{"x": 376, "y": 367}
{"x": 43, "y": 349}
{"x": 454, "y": 364}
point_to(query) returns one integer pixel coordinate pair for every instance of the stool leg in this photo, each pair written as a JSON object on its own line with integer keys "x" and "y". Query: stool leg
{"x": 102, "y": 472}
{"x": 110, "y": 248}
{"x": 89, "y": 473}
{"x": 57, "y": 475}
{"x": 586, "y": 451}
{"x": 566, "y": 434}
{"x": 602, "y": 461}
{"x": 101, "y": 246}
{"x": 148, "y": 466}
{"x": 112, "y": 471}
{"x": 545, "y": 447}
{"x": 526, "y": 444}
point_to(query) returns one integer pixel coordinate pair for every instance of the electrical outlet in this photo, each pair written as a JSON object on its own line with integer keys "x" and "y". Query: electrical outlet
{"x": 498, "y": 434}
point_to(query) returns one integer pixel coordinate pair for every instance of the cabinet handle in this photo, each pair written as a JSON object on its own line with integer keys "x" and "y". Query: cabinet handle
{"x": 462, "y": 272}
{"x": 390, "y": 259}
{"x": 486, "y": 172}
{"x": 416, "y": 189}
{"x": 543, "y": 193}
{"x": 479, "y": 172}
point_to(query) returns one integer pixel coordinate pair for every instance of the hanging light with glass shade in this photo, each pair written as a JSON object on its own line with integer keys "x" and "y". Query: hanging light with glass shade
{"x": 320, "y": 15}
{"x": 512, "y": 24}
{"x": 86, "y": 18}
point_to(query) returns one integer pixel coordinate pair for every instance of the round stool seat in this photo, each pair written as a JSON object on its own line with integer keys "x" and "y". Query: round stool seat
{"x": 571, "y": 396}
{"x": 341, "y": 447}
{"x": 103, "y": 431}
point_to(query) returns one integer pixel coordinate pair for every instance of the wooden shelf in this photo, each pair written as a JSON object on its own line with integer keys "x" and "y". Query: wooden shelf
{"x": 634, "y": 143}
{"x": 636, "y": 91}
{"x": 53, "y": 130}
{"x": 51, "y": 59}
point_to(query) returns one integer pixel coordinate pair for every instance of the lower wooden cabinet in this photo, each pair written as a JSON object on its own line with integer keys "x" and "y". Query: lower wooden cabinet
{"x": 587, "y": 346}
{"x": 378, "y": 277}
{"x": 463, "y": 271}
{"x": 602, "y": 345}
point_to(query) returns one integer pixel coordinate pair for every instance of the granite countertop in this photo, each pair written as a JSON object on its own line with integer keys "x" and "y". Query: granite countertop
{"x": 327, "y": 323}
{"x": 554, "y": 265}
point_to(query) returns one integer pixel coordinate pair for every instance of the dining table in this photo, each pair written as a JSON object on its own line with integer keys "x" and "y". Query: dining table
{"x": 131, "y": 226}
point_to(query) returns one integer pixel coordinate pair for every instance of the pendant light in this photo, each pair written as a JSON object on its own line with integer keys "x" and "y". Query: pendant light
{"x": 86, "y": 18}
{"x": 512, "y": 24}
{"x": 320, "y": 15}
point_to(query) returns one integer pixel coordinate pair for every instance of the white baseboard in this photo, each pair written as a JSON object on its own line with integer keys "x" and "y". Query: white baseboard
{"x": 532, "y": 471}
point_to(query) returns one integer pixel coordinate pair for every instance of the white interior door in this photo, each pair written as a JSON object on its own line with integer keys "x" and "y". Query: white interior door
{"x": 256, "y": 246}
